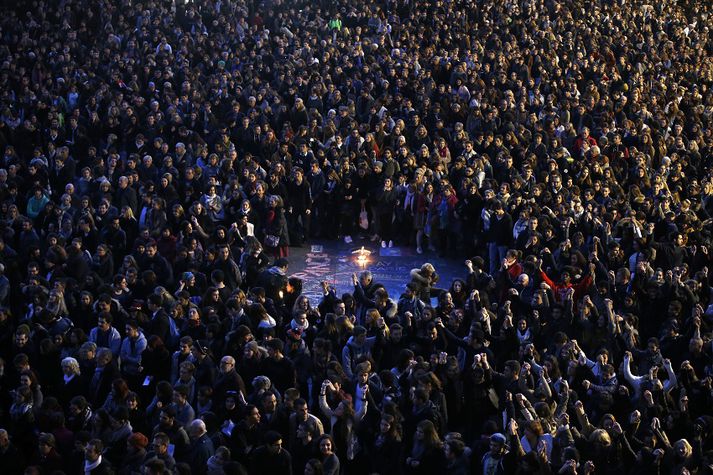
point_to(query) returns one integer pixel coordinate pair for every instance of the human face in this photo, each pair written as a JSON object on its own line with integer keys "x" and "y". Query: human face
{"x": 275, "y": 447}
{"x": 165, "y": 420}
{"x": 496, "y": 448}
{"x": 384, "y": 426}
{"x": 91, "y": 454}
{"x": 103, "y": 324}
{"x": 325, "y": 446}
{"x": 254, "y": 417}
{"x": 226, "y": 365}
{"x": 21, "y": 339}
{"x": 131, "y": 332}
{"x": 158, "y": 447}
{"x": 270, "y": 403}
{"x": 302, "y": 412}
{"x": 44, "y": 448}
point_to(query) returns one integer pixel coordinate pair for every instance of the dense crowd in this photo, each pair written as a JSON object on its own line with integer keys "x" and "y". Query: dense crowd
{"x": 160, "y": 158}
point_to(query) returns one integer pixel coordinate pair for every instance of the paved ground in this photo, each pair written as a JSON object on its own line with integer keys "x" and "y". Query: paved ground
{"x": 335, "y": 262}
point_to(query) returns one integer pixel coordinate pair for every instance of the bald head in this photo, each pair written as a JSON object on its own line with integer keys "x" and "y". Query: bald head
{"x": 196, "y": 429}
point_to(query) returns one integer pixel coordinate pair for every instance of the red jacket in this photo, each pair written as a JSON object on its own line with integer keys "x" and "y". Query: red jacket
{"x": 559, "y": 290}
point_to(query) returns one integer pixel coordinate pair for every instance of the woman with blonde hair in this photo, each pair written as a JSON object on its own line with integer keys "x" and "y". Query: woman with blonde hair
{"x": 72, "y": 382}
{"x": 345, "y": 328}
{"x": 56, "y": 304}
{"x": 176, "y": 217}
{"x": 423, "y": 280}
{"x": 369, "y": 145}
{"x": 129, "y": 223}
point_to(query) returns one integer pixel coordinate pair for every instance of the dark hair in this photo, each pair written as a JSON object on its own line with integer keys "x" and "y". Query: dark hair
{"x": 272, "y": 436}
{"x": 316, "y": 466}
{"x": 155, "y": 300}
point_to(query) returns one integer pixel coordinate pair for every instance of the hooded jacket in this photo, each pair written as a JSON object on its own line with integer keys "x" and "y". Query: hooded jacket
{"x": 352, "y": 351}
{"x": 130, "y": 354}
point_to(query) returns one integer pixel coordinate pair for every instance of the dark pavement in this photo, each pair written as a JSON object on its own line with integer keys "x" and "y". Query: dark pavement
{"x": 335, "y": 262}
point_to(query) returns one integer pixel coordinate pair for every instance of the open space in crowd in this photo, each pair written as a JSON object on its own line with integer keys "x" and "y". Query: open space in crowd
{"x": 160, "y": 160}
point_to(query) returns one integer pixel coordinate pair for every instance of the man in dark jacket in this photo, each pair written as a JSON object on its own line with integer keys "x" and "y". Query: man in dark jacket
{"x": 94, "y": 464}
{"x": 126, "y": 195}
{"x": 105, "y": 373}
{"x": 159, "y": 324}
{"x": 177, "y": 435}
{"x": 228, "y": 379}
{"x": 279, "y": 369}
{"x": 201, "y": 447}
{"x": 300, "y": 199}
{"x": 160, "y": 445}
{"x": 499, "y": 235}
{"x": 154, "y": 261}
{"x": 274, "y": 281}
{"x": 11, "y": 459}
{"x": 271, "y": 457}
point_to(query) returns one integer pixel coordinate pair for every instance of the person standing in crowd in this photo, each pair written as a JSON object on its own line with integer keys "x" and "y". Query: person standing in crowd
{"x": 156, "y": 165}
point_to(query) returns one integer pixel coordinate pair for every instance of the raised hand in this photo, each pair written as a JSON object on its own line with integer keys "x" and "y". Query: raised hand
{"x": 512, "y": 428}
{"x": 635, "y": 417}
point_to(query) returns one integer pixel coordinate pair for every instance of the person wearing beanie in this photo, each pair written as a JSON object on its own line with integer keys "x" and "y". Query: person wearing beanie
{"x": 47, "y": 457}
{"x": 135, "y": 454}
{"x": 493, "y": 460}
{"x": 358, "y": 347}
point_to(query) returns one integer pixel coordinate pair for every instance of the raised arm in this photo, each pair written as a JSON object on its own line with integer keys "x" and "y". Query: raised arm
{"x": 326, "y": 410}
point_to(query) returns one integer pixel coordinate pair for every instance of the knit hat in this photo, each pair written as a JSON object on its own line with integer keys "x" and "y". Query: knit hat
{"x": 138, "y": 440}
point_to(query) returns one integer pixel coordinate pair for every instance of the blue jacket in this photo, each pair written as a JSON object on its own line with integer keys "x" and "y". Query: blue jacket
{"x": 131, "y": 354}
{"x": 114, "y": 339}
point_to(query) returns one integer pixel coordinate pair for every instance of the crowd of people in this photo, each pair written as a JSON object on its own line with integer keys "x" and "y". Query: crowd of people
{"x": 160, "y": 158}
